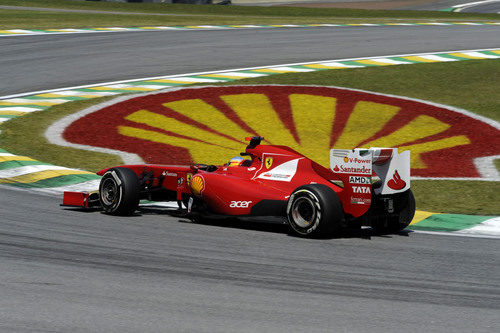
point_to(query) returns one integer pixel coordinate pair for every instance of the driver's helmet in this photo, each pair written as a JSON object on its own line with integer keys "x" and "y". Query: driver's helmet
{"x": 235, "y": 161}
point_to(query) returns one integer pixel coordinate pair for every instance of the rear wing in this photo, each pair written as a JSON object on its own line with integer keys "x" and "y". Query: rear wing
{"x": 360, "y": 165}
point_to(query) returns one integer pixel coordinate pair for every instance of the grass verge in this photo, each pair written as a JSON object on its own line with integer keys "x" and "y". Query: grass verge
{"x": 457, "y": 197}
{"x": 175, "y": 14}
{"x": 236, "y": 10}
{"x": 26, "y": 136}
{"x": 472, "y": 85}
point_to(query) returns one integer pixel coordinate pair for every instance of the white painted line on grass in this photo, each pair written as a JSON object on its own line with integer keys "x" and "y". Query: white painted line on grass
{"x": 437, "y": 58}
{"x": 241, "y": 74}
{"x": 486, "y": 166}
{"x": 88, "y": 186}
{"x": 84, "y": 93}
{"x": 469, "y": 179}
{"x": 480, "y": 55}
{"x": 19, "y": 109}
{"x": 475, "y": 3}
{"x": 338, "y": 64}
{"x": 456, "y": 234}
{"x": 290, "y": 69}
{"x": 35, "y": 101}
{"x": 192, "y": 79}
{"x": 24, "y": 170}
{"x": 390, "y": 61}
{"x": 435, "y": 23}
{"x": 117, "y": 86}
{"x": 150, "y": 86}
{"x": 54, "y": 132}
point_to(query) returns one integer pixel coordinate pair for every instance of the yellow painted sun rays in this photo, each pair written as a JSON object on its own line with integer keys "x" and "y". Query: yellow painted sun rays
{"x": 211, "y": 136}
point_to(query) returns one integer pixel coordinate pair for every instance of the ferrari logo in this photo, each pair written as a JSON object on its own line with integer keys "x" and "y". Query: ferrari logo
{"x": 188, "y": 178}
{"x": 269, "y": 162}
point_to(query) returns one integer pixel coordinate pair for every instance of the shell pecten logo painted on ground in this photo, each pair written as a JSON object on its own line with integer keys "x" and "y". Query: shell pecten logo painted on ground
{"x": 207, "y": 125}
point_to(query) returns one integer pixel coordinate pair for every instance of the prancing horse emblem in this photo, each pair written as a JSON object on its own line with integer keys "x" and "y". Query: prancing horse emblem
{"x": 269, "y": 162}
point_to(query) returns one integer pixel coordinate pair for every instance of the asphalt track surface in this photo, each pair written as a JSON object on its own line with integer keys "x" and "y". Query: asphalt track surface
{"x": 71, "y": 271}
{"x": 32, "y": 63}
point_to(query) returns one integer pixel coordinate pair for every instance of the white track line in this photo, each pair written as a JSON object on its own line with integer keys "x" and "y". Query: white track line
{"x": 25, "y": 170}
{"x": 20, "y": 109}
{"x": 456, "y": 234}
{"x": 475, "y": 3}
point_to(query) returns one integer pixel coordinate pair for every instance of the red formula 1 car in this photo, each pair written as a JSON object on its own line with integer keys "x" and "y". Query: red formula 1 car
{"x": 274, "y": 181}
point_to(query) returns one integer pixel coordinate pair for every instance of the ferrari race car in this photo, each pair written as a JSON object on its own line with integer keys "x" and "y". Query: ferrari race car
{"x": 273, "y": 181}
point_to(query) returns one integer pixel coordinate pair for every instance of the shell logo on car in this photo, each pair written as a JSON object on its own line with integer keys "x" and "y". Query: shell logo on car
{"x": 208, "y": 124}
{"x": 197, "y": 185}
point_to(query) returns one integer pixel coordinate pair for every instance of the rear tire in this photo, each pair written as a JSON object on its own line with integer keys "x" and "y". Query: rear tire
{"x": 119, "y": 191}
{"x": 315, "y": 210}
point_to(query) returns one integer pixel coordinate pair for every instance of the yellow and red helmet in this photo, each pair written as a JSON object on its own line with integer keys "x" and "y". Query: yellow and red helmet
{"x": 235, "y": 161}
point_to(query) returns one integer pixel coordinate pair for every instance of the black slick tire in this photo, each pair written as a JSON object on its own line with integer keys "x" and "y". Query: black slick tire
{"x": 315, "y": 210}
{"x": 119, "y": 191}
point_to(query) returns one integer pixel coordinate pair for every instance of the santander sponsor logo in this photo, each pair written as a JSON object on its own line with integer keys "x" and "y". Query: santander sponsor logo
{"x": 347, "y": 169}
{"x": 396, "y": 183}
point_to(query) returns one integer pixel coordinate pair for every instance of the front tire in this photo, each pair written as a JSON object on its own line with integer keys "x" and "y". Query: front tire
{"x": 119, "y": 191}
{"x": 315, "y": 210}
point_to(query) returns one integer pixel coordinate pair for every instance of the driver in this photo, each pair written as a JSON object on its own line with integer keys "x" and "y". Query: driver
{"x": 235, "y": 161}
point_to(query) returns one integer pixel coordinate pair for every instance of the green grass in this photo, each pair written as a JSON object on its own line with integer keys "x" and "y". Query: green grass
{"x": 201, "y": 14}
{"x": 472, "y": 85}
{"x": 457, "y": 197}
{"x": 12, "y": 19}
{"x": 25, "y": 136}
{"x": 237, "y": 10}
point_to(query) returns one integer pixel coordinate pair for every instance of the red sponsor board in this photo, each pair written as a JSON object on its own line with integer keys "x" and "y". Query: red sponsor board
{"x": 207, "y": 125}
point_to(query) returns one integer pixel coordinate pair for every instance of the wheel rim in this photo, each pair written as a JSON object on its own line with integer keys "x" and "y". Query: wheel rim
{"x": 303, "y": 212}
{"x": 109, "y": 192}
